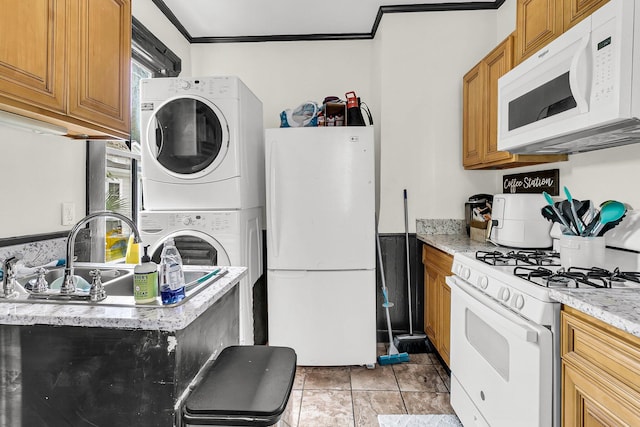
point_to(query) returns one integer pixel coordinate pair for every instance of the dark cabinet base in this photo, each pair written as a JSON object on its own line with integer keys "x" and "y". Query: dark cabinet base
{"x": 77, "y": 376}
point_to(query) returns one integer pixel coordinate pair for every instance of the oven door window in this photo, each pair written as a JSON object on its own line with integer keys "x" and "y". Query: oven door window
{"x": 190, "y": 136}
{"x": 503, "y": 361}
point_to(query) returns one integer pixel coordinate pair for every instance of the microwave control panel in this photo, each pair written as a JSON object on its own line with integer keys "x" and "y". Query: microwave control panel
{"x": 603, "y": 70}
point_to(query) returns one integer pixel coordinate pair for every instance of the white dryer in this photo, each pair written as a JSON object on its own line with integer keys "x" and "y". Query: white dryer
{"x": 202, "y": 144}
{"x": 212, "y": 238}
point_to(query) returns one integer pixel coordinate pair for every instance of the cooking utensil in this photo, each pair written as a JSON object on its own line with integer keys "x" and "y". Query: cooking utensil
{"x": 610, "y": 212}
{"x": 576, "y": 218}
{"x": 562, "y": 220}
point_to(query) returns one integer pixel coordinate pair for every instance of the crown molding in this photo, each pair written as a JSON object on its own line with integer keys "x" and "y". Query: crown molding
{"x": 440, "y": 7}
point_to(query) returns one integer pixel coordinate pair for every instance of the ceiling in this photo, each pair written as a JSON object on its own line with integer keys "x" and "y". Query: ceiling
{"x": 214, "y": 21}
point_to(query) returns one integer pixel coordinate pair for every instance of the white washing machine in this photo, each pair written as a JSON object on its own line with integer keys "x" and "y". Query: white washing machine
{"x": 202, "y": 144}
{"x": 212, "y": 238}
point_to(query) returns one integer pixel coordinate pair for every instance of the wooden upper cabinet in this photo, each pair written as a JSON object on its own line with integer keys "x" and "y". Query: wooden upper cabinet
{"x": 473, "y": 119}
{"x": 499, "y": 62}
{"x": 67, "y": 62}
{"x": 540, "y": 21}
{"x": 537, "y": 23}
{"x": 480, "y": 115}
{"x": 576, "y": 10}
{"x": 100, "y": 51}
{"x": 32, "y": 54}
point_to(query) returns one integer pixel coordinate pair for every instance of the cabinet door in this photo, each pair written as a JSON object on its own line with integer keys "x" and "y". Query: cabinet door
{"x": 444, "y": 319}
{"x": 499, "y": 62}
{"x": 100, "y": 62}
{"x": 473, "y": 115}
{"x": 32, "y": 54}
{"x": 588, "y": 403}
{"x": 431, "y": 304}
{"x": 576, "y": 10}
{"x": 537, "y": 23}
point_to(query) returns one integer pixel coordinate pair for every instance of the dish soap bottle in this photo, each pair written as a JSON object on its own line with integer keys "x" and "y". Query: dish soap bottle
{"x": 145, "y": 280}
{"x": 171, "y": 274}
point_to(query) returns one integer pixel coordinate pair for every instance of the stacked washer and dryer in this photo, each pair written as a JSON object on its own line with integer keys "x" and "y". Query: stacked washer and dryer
{"x": 203, "y": 176}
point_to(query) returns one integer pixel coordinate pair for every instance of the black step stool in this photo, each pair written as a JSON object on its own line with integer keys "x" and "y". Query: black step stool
{"x": 245, "y": 386}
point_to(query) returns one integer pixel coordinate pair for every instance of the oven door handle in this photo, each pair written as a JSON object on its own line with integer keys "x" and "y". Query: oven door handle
{"x": 493, "y": 311}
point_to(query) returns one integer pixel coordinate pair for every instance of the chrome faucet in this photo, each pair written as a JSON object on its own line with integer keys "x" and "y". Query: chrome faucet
{"x": 9, "y": 276}
{"x": 68, "y": 285}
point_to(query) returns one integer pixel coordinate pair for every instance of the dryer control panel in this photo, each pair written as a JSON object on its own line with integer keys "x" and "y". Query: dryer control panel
{"x": 210, "y": 87}
{"x": 218, "y": 222}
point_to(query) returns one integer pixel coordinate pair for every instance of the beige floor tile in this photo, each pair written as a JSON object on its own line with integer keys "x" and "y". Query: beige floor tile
{"x": 418, "y": 378}
{"x": 380, "y": 378}
{"x": 298, "y": 382}
{"x": 421, "y": 359}
{"x": 292, "y": 411}
{"x": 326, "y": 408}
{"x": 418, "y": 402}
{"x": 446, "y": 378}
{"x": 367, "y": 405}
{"x": 327, "y": 378}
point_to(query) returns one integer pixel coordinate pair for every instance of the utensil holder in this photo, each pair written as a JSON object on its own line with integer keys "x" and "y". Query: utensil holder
{"x": 579, "y": 251}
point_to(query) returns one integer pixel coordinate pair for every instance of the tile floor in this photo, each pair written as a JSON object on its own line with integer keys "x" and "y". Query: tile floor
{"x": 353, "y": 396}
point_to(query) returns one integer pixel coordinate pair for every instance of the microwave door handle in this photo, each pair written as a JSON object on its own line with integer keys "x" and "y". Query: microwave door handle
{"x": 579, "y": 62}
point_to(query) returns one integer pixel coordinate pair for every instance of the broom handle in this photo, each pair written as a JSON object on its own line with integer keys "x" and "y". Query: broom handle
{"x": 384, "y": 284}
{"x": 406, "y": 238}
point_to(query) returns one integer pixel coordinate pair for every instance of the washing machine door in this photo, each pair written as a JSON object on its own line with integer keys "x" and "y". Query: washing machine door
{"x": 195, "y": 247}
{"x": 188, "y": 136}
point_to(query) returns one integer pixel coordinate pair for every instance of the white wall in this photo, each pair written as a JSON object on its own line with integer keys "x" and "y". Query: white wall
{"x": 506, "y": 20}
{"x": 38, "y": 173}
{"x": 423, "y": 58}
{"x": 151, "y": 17}
{"x": 411, "y": 77}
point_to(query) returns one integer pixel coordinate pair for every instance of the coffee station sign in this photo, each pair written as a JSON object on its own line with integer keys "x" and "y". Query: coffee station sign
{"x": 532, "y": 182}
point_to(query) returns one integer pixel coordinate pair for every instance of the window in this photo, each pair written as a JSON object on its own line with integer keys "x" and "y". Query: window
{"x": 113, "y": 172}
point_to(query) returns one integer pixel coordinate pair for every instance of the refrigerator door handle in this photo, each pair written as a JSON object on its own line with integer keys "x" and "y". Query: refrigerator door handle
{"x": 273, "y": 208}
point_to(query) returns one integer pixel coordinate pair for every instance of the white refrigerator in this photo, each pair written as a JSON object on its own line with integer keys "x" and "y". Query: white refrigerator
{"x": 321, "y": 263}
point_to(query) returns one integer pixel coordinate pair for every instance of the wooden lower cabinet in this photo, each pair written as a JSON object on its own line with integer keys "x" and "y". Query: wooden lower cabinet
{"x": 437, "y": 295}
{"x": 600, "y": 373}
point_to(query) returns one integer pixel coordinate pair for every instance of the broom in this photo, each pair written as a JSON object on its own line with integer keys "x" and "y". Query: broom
{"x": 413, "y": 342}
{"x": 393, "y": 356}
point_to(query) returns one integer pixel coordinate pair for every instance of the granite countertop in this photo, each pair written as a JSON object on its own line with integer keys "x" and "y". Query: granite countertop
{"x": 617, "y": 307}
{"x": 452, "y": 243}
{"x": 95, "y": 315}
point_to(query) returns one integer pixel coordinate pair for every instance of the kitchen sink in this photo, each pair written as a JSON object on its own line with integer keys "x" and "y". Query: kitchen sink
{"x": 117, "y": 282}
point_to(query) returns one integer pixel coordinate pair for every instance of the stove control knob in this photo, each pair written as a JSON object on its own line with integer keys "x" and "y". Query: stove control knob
{"x": 519, "y": 302}
{"x": 483, "y": 282}
{"x": 505, "y": 294}
{"x": 466, "y": 273}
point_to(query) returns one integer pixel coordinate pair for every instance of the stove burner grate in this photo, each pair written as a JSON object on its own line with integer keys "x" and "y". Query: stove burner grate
{"x": 594, "y": 277}
{"x": 520, "y": 257}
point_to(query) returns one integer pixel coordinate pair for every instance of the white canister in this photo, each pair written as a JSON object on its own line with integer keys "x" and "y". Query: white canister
{"x": 579, "y": 251}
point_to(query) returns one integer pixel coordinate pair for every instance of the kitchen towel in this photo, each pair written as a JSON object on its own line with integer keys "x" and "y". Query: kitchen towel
{"x": 419, "y": 421}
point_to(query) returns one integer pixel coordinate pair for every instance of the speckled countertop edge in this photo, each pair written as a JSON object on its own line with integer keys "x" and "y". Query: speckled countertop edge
{"x": 617, "y": 307}
{"x": 452, "y": 243}
{"x": 94, "y": 315}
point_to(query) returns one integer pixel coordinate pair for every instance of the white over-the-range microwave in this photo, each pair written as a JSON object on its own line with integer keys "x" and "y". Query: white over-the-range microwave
{"x": 579, "y": 93}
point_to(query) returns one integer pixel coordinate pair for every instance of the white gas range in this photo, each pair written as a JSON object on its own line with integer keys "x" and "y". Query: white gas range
{"x": 505, "y": 334}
